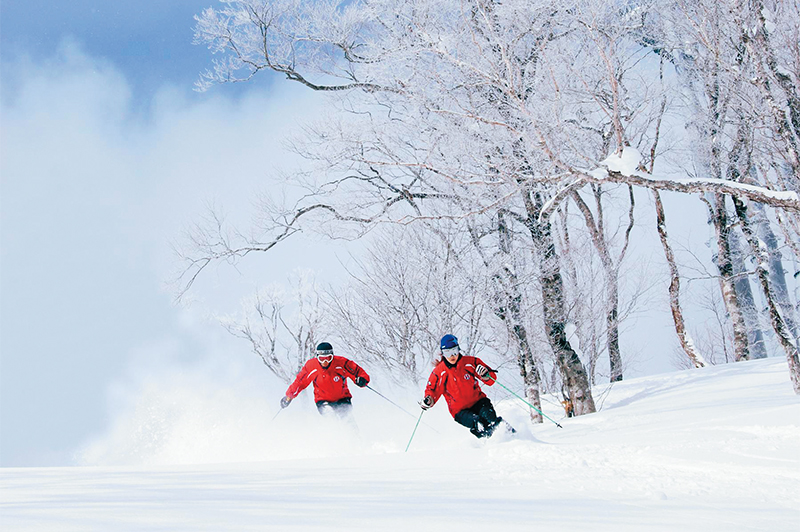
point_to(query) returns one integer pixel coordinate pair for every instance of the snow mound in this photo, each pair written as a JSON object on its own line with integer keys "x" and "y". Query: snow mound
{"x": 625, "y": 163}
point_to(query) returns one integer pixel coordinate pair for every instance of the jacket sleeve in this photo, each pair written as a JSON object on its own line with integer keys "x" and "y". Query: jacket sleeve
{"x": 354, "y": 370}
{"x": 304, "y": 378}
{"x": 492, "y": 377}
{"x": 435, "y": 386}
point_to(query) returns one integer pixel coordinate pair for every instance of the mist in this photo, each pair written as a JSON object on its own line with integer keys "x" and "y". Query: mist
{"x": 95, "y": 191}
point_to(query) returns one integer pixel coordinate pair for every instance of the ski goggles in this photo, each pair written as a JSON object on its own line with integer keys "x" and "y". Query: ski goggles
{"x": 447, "y": 353}
{"x": 325, "y": 356}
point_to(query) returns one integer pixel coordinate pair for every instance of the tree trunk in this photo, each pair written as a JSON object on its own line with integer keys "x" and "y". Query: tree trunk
{"x": 514, "y": 319}
{"x": 719, "y": 218}
{"x": 612, "y": 284}
{"x": 747, "y": 303}
{"x": 612, "y": 321}
{"x": 675, "y": 288}
{"x": 777, "y": 275}
{"x": 573, "y": 372}
{"x": 529, "y": 372}
{"x": 762, "y": 258}
{"x": 509, "y": 310}
{"x": 507, "y": 306}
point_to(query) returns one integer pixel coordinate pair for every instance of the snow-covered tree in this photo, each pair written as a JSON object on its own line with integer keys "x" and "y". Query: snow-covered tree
{"x": 283, "y": 323}
{"x": 729, "y": 68}
{"x": 412, "y": 286}
{"x": 602, "y": 292}
{"x": 511, "y": 297}
{"x": 456, "y": 109}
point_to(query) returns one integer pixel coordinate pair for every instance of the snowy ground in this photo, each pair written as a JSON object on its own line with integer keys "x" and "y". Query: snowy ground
{"x": 710, "y": 449}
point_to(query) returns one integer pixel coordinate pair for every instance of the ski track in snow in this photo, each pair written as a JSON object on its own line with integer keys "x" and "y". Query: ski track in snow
{"x": 708, "y": 449}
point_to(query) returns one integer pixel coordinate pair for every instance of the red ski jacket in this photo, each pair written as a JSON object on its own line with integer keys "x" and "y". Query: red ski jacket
{"x": 458, "y": 384}
{"x": 330, "y": 384}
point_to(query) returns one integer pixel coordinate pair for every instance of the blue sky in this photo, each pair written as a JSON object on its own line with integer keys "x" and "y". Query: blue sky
{"x": 150, "y": 41}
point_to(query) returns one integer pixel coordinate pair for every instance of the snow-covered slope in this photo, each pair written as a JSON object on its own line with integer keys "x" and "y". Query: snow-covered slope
{"x": 710, "y": 449}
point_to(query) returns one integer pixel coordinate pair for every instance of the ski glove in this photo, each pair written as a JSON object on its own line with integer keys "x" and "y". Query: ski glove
{"x": 482, "y": 372}
{"x": 426, "y": 403}
{"x": 285, "y": 401}
{"x": 361, "y": 382}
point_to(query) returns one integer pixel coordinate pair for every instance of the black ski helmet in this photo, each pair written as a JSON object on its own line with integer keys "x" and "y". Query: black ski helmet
{"x": 324, "y": 349}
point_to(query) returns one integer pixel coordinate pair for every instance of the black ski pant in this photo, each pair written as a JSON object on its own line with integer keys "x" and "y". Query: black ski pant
{"x": 342, "y": 407}
{"x": 480, "y": 418}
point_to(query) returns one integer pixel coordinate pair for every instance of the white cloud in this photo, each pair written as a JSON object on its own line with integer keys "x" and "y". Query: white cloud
{"x": 94, "y": 185}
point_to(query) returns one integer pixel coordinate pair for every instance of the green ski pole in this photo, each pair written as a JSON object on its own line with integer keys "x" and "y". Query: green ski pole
{"x": 415, "y": 430}
{"x": 526, "y": 402}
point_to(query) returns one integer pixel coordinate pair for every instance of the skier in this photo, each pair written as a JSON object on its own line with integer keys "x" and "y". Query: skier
{"x": 456, "y": 377}
{"x": 329, "y": 374}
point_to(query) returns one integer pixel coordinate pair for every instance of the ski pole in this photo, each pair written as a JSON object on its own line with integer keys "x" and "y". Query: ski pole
{"x": 526, "y": 402}
{"x": 276, "y": 415}
{"x": 415, "y": 430}
{"x": 400, "y": 407}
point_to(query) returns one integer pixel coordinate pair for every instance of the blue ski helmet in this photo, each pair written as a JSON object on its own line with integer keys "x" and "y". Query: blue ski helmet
{"x": 448, "y": 341}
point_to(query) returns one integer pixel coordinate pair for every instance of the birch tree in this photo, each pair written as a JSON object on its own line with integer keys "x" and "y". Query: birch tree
{"x": 509, "y": 299}
{"x": 713, "y": 72}
{"x": 451, "y": 110}
{"x": 594, "y": 279}
{"x": 596, "y": 226}
{"x": 730, "y": 72}
{"x": 444, "y": 138}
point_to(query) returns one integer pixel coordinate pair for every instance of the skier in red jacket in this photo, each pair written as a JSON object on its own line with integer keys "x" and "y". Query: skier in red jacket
{"x": 329, "y": 374}
{"x": 456, "y": 377}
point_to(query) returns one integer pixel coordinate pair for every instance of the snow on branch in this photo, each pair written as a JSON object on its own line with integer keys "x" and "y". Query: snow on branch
{"x": 625, "y": 169}
{"x": 786, "y": 200}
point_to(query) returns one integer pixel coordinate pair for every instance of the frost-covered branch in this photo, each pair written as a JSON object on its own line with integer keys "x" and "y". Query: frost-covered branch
{"x": 619, "y": 173}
